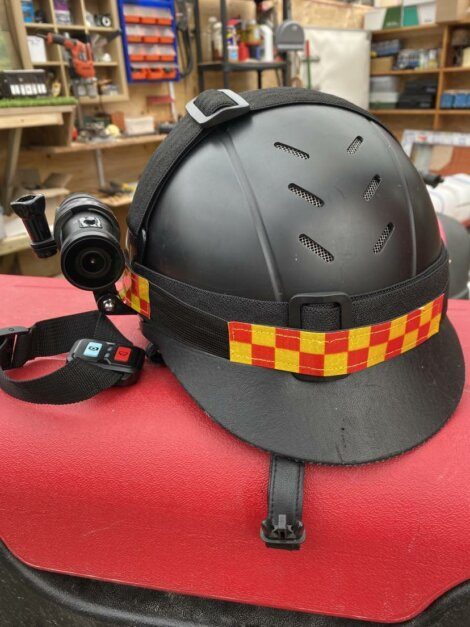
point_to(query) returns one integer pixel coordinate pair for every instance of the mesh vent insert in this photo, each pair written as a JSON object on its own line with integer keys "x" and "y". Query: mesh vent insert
{"x": 383, "y": 239}
{"x": 354, "y": 145}
{"x": 295, "y": 152}
{"x": 315, "y": 247}
{"x": 372, "y": 188}
{"x": 300, "y": 192}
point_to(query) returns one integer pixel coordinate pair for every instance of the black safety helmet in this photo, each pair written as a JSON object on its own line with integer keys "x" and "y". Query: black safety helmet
{"x": 293, "y": 209}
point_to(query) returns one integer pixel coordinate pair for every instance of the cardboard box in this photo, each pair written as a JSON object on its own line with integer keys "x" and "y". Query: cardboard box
{"x": 418, "y": 12}
{"x": 450, "y": 10}
{"x": 380, "y": 65}
{"x": 379, "y": 19}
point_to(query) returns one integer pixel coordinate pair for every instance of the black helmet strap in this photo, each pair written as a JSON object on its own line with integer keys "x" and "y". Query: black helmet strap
{"x": 200, "y": 318}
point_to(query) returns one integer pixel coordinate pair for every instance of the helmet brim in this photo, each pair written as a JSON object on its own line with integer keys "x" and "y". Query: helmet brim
{"x": 365, "y": 417}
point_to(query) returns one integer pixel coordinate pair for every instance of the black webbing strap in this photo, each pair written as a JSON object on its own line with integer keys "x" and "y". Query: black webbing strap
{"x": 76, "y": 381}
{"x": 199, "y": 317}
{"x": 283, "y": 527}
{"x": 188, "y": 133}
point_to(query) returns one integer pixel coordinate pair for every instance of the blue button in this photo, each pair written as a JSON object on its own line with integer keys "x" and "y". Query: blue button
{"x": 92, "y": 349}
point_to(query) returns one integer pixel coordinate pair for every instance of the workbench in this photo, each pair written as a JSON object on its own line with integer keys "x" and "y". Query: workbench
{"x": 15, "y": 119}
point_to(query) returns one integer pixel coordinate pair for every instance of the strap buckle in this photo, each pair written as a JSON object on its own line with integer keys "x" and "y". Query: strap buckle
{"x": 281, "y": 535}
{"x": 8, "y": 343}
{"x": 229, "y": 112}
{"x": 336, "y": 298}
{"x": 295, "y": 317}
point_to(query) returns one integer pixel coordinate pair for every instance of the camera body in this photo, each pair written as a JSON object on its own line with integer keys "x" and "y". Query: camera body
{"x": 87, "y": 234}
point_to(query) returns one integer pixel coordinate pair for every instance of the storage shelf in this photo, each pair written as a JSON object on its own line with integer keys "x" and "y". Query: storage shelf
{"x": 68, "y": 27}
{"x": 405, "y": 72}
{"x": 454, "y": 111}
{"x": 87, "y": 100}
{"x": 100, "y": 145}
{"x": 403, "y": 111}
{"x": 47, "y": 63}
{"x": 102, "y": 29}
{"x": 406, "y": 31}
{"x": 450, "y": 70}
{"x": 244, "y": 66}
{"x": 114, "y": 69}
{"x": 39, "y": 26}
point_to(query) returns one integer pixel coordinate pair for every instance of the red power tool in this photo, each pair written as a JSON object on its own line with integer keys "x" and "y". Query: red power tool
{"x": 80, "y": 55}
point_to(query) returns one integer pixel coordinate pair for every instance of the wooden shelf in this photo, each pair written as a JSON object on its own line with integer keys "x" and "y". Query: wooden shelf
{"x": 87, "y": 100}
{"x": 47, "y": 63}
{"x": 408, "y": 31}
{"x": 403, "y": 111}
{"x": 116, "y": 69}
{"x": 405, "y": 72}
{"x": 455, "y": 69}
{"x": 39, "y": 26}
{"x": 447, "y": 77}
{"x": 101, "y": 145}
{"x": 70, "y": 27}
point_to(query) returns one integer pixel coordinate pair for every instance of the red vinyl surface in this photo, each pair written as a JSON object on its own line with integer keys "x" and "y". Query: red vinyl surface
{"x": 139, "y": 486}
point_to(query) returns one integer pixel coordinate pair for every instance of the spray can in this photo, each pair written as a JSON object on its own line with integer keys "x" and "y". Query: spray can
{"x": 267, "y": 43}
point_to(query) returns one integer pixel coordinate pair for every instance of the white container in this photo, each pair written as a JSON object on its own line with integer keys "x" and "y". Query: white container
{"x": 139, "y": 126}
{"x": 374, "y": 20}
{"x": 267, "y": 43}
{"x": 217, "y": 43}
{"x": 37, "y": 49}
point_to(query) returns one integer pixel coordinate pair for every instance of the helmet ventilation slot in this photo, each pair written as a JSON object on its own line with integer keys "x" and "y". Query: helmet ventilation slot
{"x": 354, "y": 145}
{"x": 295, "y": 152}
{"x": 372, "y": 188}
{"x": 306, "y": 195}
{"x": 383, "y": 239}
{"x": 316, "y": 248}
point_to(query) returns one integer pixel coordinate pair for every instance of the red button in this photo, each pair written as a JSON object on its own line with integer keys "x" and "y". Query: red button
{"x": 122, "y": 354}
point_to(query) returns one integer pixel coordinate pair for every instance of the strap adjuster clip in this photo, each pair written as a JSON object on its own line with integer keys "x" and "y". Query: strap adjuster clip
{"x": 8, "y": 339}
{"x": 240, "y": 106}
{"x": 281, "y": 535}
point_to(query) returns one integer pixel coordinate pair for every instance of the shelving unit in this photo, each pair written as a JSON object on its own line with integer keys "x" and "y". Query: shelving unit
{"x": 225, "y": 66}
{"x": 448, "y": 77}
{"x": 56, "y": 62}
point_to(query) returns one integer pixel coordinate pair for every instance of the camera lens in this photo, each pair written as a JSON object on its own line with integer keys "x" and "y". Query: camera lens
{"x": 93, "y": 262}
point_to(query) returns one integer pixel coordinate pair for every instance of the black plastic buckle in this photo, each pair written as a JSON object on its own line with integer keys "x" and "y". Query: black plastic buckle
{"x": 336, "y": 298}
{"x": 8, "y": 338}
{"x": 281, "y": 535}
{"x": 240, "y": 107}
{"x": 295, "y": 319}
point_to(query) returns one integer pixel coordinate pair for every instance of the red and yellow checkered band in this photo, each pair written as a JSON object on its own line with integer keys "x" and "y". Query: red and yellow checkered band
{"x": 333, "y": 352}
{"x": 134, "y": 292}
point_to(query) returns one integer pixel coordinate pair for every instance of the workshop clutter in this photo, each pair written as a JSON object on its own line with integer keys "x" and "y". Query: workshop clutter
{"x": 390, "y": 55}
{"x": 387, "y": 93}
{"x": 149, "y": 40}
{"x": 399, "y": 13}
{"x": 455, "y": 99}
{"x": 247, "y": 40}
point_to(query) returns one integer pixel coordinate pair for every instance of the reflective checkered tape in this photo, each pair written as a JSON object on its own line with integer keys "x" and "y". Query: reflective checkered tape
{"x": 134, "y": 292}
{"x": 332, "y": 353}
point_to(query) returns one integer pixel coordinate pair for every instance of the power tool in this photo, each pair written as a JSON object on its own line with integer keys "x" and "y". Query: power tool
{"x": 81, "y": 67}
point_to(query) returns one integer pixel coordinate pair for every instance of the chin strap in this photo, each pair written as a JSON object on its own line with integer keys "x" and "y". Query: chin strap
{"x": 100, "y": 357}
{"x": 283, "y": 528}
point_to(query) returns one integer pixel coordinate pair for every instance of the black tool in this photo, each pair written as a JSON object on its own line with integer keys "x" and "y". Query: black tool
{"x": 32, "y": 210}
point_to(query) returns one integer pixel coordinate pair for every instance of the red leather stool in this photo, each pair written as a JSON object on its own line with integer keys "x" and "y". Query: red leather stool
{"x": 138, "y": 486}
